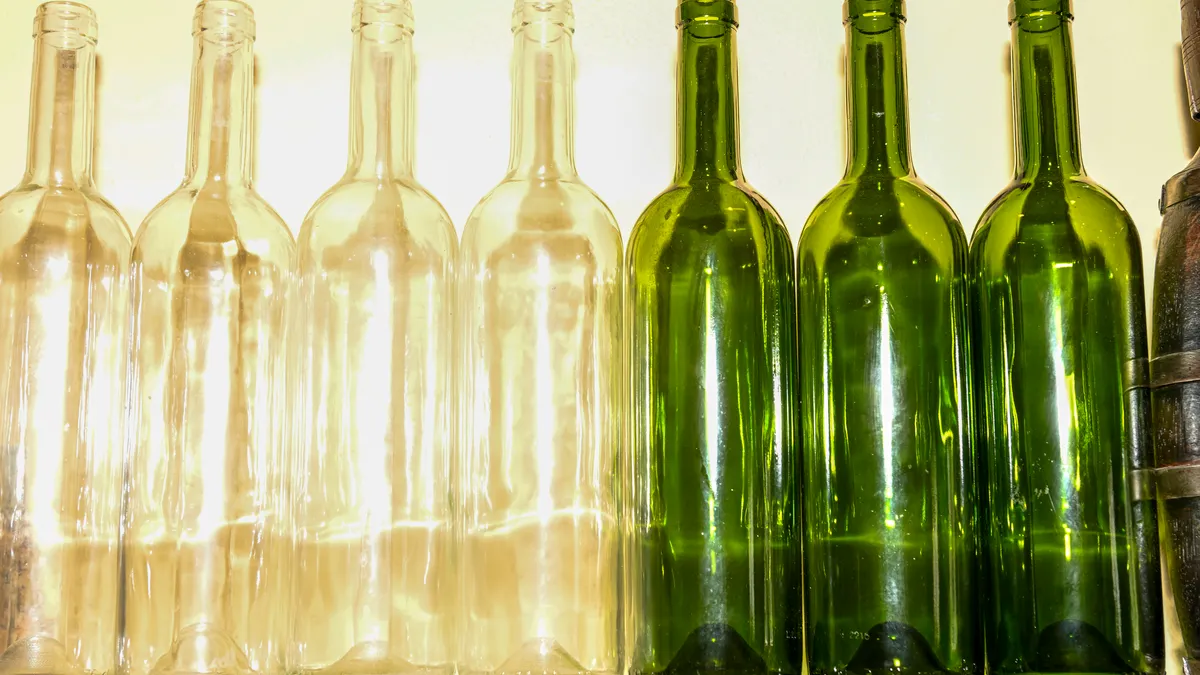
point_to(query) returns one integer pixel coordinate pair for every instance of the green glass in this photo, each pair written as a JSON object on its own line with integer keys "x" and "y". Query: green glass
{"x": 1061, "y": 345}
{"x": 713, "y": 564}
{"x": 890, "y": 501}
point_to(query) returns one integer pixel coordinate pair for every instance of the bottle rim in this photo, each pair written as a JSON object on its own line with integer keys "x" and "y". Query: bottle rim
{"x": 389, "y": 13}
{"x": 854, "y": 10}
{"x": 707, "y": 11}
{"x": 1019, "y": 10}
{"x": 559, "y": 13}
{"x": 227, "y": 21}
{"x": 65, "y": 16}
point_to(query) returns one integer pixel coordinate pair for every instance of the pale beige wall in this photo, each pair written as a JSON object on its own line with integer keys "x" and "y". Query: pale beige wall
{"x": 791, "y": 50}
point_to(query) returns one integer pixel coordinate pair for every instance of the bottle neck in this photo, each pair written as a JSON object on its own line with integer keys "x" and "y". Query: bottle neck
{"x": 62, "y": 118}
{"x": 708, "y": 97}
{"x": 220, "y": 152}
{"x": 1047, "y": 114}
{"x": 381, "y": 103}
{"x": 877, "y": 99}
{"x": 543, "y": 143}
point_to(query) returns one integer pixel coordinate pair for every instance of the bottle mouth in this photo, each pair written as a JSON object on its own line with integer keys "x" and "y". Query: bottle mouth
{"x": 224, "y": 21}
{"x": 71, "y": 23}
{"x": 1020, "y": 10}
{"x": 707, "y": 11}
{"x": 558, "y": 13}
{"x": 883, "y": 11}
{"x": 383, "y": 13}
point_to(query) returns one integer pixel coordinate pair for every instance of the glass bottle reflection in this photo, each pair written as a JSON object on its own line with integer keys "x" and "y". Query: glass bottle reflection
{"x": 64, "y": 256}
{"x": 1060, "y": 333}
{"x": 714, "y": 557}
{"x": 890, "y": 517}
{"x": 205, "y": 550}
{"x": 373, "y": 579}
{"x": 540, "y": 321}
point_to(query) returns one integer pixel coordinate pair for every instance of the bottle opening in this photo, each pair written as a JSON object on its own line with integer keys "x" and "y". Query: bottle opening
{"x": 67, "y": 25}
{"x": 384, "y": 17}
{"x": 707, "y": 11}
{"x": 1022, "y": 11}
{"x": 546, "y": 13}
{"x": 224, "y": 21}
{"x": 874, "y": 15}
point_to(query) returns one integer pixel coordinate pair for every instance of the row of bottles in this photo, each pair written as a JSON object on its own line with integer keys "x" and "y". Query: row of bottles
{"x": 375, "y": 450}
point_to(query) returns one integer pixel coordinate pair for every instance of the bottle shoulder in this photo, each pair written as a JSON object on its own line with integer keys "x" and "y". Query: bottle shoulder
{"x": 719, "y": 225}
{"x": 238, "y": 220}
{"x": 868, "y": 213}
{"x": 718, "y": 211}
{"x": 378, "y": 214}
{"x": 1054, "y": 219}
{"x": 73, "y": 213}
{"x": 523, "y": 210}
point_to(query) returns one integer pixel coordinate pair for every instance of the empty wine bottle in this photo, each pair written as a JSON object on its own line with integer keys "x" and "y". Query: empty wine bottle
{"x": 890, "y": 492}
{"x": 713, "y": 559}
{"x": 1175, "y": 370}
{"x": 64, "y": 263}
{"x": 373, "y": 579}
{"x": 206, "y": 552}
{"x": 1060, "y": 318}
{"x": 539, "y": 316}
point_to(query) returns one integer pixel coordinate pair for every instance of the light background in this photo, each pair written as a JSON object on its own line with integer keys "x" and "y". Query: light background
{"x": 1135, "y": 128}
{"x": 1136, "y": 132}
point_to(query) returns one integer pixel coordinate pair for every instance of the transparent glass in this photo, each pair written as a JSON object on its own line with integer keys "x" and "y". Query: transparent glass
{"x": 1059, "y": 321}
{"x": 714, "y": 538}
{"x": 539, "y": 320}
{"x": 373, "y": 580}
{"x": 64, "y": 262}
{"x": 206, "y": 551}
{"x": 890, "y": 490}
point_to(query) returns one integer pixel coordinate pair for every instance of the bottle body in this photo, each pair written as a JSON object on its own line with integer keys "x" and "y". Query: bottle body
{"x": 890, "y": 492}
{"x": 64, "y": 263}
{"x": 373, "y": 579}
{"x": 540, "y": 305}
{"x": 1057, "y": 274}
{"x": 712, "y": 551}
{"x": 373, "y": 576}
{"x": 540, "y": 325}
{"x": 206, "y": 548}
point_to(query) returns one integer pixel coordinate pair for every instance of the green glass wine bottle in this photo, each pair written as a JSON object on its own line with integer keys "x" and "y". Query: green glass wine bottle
{"x": 1061, "y": 347}
{"x": 890, "y": 497}
{"x": 713, "y": 563}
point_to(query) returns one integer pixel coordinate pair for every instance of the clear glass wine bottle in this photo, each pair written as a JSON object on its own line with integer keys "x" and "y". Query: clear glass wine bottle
{"x": 206, "y": 551}
{"x": 64, "y": 261}
{"x": 374, "y": 579}
{"x": 540, "y": 317}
